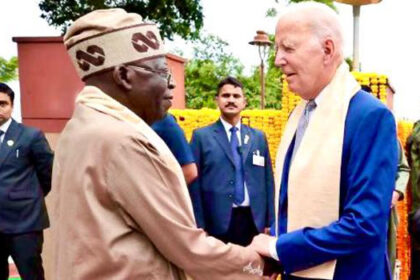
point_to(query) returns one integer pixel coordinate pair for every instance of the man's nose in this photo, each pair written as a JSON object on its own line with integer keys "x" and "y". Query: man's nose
{"x": 280, "y": 59}
{"x": 171, "y": 82}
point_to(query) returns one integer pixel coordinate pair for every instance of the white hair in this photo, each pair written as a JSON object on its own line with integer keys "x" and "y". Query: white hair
{"x": 322, "y": 20}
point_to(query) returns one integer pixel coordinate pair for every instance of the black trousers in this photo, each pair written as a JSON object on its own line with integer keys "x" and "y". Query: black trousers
{"x": 25, "y": 250}
{"x": 241, "y": 229}
{"x": 415, "y": 264}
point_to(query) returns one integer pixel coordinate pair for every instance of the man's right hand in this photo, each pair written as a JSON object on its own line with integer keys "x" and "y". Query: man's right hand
{"x": 261, "y": 244}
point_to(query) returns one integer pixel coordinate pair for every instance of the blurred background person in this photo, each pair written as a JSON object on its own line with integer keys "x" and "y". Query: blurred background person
{"x": 172, "y": 134}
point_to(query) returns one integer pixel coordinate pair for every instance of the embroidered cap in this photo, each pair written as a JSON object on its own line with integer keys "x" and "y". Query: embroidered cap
{"x": 102, "y": 39}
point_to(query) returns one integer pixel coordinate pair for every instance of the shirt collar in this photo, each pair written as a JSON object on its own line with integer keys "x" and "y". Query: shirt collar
{"x": 4, "y": 127}
{"x": 228, "y": 126}
{"x": 319, "y": 98}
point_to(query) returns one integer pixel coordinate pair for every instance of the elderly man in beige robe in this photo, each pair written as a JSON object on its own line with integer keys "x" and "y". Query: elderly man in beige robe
{"x": 123, "y": 210}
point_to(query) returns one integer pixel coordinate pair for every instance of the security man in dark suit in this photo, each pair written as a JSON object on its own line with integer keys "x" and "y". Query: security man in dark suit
{"x": 25, "y": 179}
{"x": 233, "y": 194}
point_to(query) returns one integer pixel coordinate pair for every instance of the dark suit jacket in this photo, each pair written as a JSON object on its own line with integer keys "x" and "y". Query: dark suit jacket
{"x": 368, "y": 171}
{"x": 25, "y": 178}
{"x": 213, "y": 191}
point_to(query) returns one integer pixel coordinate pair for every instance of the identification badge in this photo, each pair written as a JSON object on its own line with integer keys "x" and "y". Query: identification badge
{"x": 257, "y": 159}
{"x": 246, "y": 139}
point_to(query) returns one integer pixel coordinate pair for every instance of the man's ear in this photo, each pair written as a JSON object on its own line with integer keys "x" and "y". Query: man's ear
{"x": 329, "y": 50}
{"x": 122, "y": 77}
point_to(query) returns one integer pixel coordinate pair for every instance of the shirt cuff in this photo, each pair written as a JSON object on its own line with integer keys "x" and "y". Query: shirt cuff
{"x": 273, "y": 249}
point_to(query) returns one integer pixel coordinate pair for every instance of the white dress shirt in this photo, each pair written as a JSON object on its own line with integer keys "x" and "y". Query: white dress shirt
{"x": 4, "y": 127}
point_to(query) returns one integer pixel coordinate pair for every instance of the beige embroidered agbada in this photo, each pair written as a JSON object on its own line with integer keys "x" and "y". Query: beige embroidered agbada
{"x": 314, "y": 175}
{"x": 123, "y": 210}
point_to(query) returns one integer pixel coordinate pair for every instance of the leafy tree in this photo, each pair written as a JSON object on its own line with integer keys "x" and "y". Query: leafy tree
{"x": 8, "y": 69}
{"x": 212, "y": 62}
{"x": 273, "y": 84}
{"x": 182, "y": 17}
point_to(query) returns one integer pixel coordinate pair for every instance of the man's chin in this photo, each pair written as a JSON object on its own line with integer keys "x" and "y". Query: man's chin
{"x": 229, "y": 114}
{"x": 160, "y": 117}
{"x": 166, "y": 106}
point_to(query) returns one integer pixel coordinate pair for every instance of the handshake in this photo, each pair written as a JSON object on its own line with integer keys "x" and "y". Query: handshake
{"x": 261, "y": 244}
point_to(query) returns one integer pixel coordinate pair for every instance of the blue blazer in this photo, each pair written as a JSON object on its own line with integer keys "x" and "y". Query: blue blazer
{"x": 173, "y": 135}
{"x": 212, "y": 192}
{"x": 368, "y": 171}
{"x": 25, "y": 178}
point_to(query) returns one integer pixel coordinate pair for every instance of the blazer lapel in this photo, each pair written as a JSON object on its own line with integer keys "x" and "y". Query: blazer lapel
{"x": 220, "y": 134}
{"x": 9, "y": 141}
{"x": 246, "y": 141}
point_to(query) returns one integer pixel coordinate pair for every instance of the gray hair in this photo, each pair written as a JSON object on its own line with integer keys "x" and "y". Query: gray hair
{"x": 321, "y": 19}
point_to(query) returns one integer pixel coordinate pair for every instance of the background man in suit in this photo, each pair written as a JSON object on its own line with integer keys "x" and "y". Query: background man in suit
{"x": 122, "y": 203}
{"x": 173, "y": 135}
{"x": 25, "y": 179}
{"x": 413, "y": 147}
{"x": 233, "y": 194}
{"x": 337, "y": 160}
{"x": 401, "y": 181}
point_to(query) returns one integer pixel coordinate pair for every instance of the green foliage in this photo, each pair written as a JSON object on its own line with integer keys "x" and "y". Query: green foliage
{"x": 182, "y": 17}
{"x": 273, "y": 81}
{"x": 330, "y": 3}
{"x": 211, "y": 63}
{"x": 273, "y": 86}
{"x": 8, "y": 69}
{"x": 349, "y": 62}
{"x": 272, "y": 12}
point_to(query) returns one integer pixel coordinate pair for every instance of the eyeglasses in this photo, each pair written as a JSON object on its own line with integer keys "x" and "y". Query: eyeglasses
{"x": 163, "y": 74}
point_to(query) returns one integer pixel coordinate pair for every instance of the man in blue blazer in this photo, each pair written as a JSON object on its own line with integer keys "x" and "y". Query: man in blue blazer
{"x": 339, "y": 140}
{"x": 25, "y": 179}
{"x": 233, "y": 194}
{"x": 174, "y": 137}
